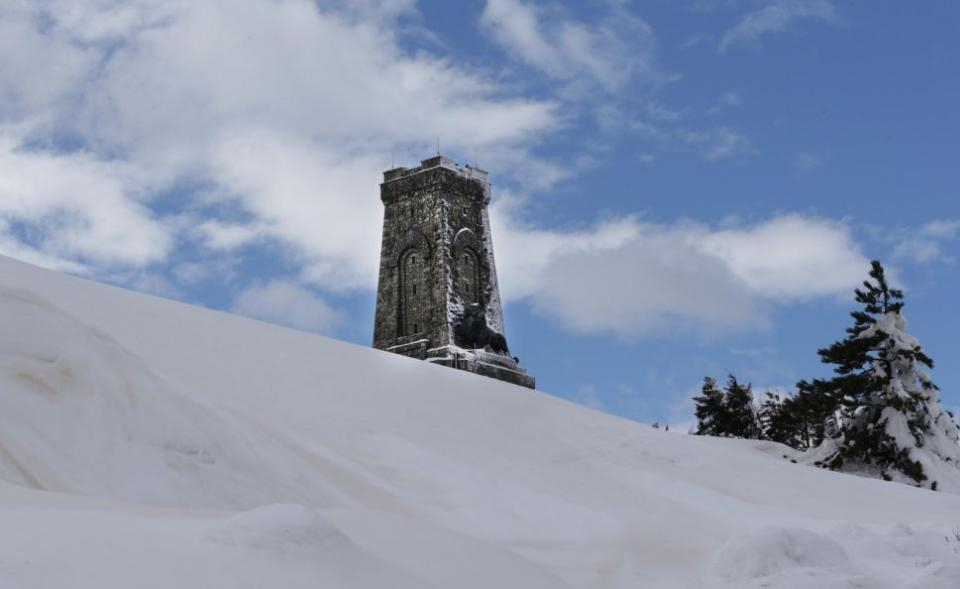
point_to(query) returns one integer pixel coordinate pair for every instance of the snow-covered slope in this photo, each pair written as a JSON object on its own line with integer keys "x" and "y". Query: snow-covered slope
{"x": 147, "y": 443}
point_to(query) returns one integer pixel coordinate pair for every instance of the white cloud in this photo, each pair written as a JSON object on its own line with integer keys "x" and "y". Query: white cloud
{"x": 287, "y": 303}
{"x": 656, "y": 283}
{"x": 791, "y": 258}
{"x": 310, "y": 197}
{"x": 711, "y": 143}
{"x": 190, "y": 273}
{"x": 727, "y": 101}
{"x": 925, "y": 245}
{"x": 221, "y": 270}
{"x": 10, "y": 246}
{"x": 618, "y": 49}
{"x": 658, "y": 112}
{"x": 284, "y": 112}
{"x": 73, "y": 206}
{"x": 637, "y": 279}
{"x": 220, "y": 235}
{"x": 917, "y": 250}
{"x": 145, "y": 281}
{"x": 719, "y": 143}
{"x": 774, "y": 17}
{"x": 942, "y": 229}
{"x": 807, "y": 161}
{"x": 223, "y": 67}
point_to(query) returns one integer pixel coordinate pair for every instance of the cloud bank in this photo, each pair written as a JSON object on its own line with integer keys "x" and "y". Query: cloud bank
{"x": 252, "y": 120}
{"x": 637, "y": 279}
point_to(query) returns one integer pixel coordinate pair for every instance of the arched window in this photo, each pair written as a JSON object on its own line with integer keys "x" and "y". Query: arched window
{"x": 468, "y": 276}
{"x": 412, "y": 293}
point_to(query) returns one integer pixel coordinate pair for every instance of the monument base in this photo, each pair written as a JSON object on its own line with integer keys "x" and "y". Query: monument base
{"x": 484, "y": 363}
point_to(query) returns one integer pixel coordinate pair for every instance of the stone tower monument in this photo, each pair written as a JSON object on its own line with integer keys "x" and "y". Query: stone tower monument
{"x": 438, "y": 298}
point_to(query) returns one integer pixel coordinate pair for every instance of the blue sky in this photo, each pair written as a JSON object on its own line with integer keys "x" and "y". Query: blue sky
{"x": 681, "y": 188}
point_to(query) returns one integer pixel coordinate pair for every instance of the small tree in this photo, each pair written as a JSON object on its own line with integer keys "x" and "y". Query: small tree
{"x": 729, "y": 412}
{"x": 813, "y": 415}
{"x": 775, "y": 420}
{"x": 885, "y": 405}
{"x": 710, "y": 411}
{"x": 741, "y": 417}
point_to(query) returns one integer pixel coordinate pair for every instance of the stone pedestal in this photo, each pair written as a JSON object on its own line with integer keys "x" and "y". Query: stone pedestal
{"x": 484, "y": 363}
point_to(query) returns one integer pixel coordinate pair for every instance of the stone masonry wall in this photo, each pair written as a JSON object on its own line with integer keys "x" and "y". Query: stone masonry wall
{"x": 424, "y": 209}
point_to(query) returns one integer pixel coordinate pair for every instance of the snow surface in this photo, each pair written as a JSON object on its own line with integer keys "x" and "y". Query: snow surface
{"x": 147, "y": 443}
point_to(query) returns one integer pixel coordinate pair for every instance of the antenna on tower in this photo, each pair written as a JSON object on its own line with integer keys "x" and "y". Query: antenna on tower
{"x": 438, "y": 145}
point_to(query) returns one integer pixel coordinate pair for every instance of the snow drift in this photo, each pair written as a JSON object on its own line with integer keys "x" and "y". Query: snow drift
{"x": 148, "y": 443}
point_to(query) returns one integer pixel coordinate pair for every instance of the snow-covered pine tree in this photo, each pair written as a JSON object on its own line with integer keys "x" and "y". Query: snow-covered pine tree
{"x": 890, "y": 421}
{"x": 710, "y": 409}
{"x": 740, "y": 414}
